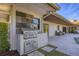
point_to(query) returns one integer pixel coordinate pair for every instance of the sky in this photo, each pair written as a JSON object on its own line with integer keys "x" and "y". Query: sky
{"x": 69, "y": 10}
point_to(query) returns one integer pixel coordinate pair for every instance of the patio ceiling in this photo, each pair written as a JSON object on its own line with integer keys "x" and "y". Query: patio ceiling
{"x": 57, "y": 19}
{"x": 4, "y": 8}
{"x": 4, "y": 11}
{"x": 38, "y": 8}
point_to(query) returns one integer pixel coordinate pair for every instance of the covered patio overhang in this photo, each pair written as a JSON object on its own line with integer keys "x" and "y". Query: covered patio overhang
{"x": 76, "y": 25}
{"x": 39, "y": 9}
{"x": 58, "y": 19}
{"x": 4, "y": 12}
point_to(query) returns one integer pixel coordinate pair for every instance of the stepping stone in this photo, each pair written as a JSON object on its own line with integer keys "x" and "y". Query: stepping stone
{"x": 48, "y": 48}
{"x": 36, "y": 53}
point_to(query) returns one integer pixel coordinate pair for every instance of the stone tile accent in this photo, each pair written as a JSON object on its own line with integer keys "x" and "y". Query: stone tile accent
{"x": 48, "y": 48}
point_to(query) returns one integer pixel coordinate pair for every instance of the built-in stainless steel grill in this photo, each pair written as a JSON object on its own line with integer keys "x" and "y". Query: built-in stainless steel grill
{"x": 30, "y": 41}
{"x": 30, "y": 34}
{"x": 30, "y": 46}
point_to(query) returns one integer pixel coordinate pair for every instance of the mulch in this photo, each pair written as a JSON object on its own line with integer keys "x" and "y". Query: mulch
{"x": 9, "y": 53}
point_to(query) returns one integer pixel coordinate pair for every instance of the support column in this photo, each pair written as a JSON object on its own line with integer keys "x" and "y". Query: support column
{"x": 12, "y": 29}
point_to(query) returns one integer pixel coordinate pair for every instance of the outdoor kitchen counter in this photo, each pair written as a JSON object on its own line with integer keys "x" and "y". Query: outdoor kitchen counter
{"x": 41, "y": 40}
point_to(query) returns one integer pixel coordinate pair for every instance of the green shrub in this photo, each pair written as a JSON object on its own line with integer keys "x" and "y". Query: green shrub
{"x": 3, "y": 37}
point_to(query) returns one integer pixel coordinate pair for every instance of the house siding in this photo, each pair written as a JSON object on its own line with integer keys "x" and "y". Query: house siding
{"x": 13, "y": 35}
{"x": 53, "y": 28}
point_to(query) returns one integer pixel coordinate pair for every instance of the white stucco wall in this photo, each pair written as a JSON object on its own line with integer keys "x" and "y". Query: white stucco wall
{"x": 13, "y": 35}
{"x": 42, "y": 40}
{"x": 53, "y": 28}
{"x": 77, "y": 27}
{"x": 27, "y": 11}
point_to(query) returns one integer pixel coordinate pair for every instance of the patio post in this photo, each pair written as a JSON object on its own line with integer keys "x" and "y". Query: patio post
{"x": 12, "y": 28}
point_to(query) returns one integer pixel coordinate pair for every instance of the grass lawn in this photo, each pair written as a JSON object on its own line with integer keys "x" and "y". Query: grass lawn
{"x": 52, "y": 53}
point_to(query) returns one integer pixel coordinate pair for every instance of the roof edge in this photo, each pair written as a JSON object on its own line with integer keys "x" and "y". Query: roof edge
{"x": 54, "y": 5}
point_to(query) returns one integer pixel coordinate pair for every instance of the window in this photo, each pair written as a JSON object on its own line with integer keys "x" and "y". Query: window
{"x": 36, "y": 23}
{"x": 46, "y": 28}
{"x": 58, "y": 27}
{"x": 75, "y": 28}
{"x": 26, "y": 21}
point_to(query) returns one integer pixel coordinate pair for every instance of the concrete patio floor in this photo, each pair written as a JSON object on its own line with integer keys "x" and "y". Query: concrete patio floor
{"x": 66, "y": 44}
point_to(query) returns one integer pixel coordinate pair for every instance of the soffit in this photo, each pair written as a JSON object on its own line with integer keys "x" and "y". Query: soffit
{"x": 38, "y": 8}
{"x": 54, "y": 19}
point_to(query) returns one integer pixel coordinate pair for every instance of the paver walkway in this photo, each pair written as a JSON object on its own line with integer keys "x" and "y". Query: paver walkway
{"x": 66, "y": 44}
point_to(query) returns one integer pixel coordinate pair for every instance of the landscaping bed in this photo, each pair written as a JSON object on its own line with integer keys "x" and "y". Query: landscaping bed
{"x": 9, "y": 53}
